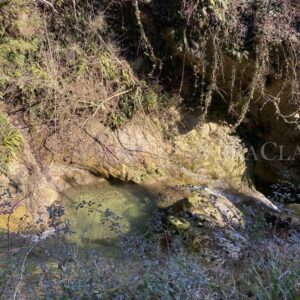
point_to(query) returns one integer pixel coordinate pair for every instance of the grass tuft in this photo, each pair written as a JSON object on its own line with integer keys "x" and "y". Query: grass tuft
{"x": 11, "y": 140}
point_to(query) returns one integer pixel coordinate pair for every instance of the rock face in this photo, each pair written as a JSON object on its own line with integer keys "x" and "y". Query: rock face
{"x": 25, "y": 192}
{"x": 212, "y": 150}
{"x": 135, "y": 153}
{"x": 139, "y": 153}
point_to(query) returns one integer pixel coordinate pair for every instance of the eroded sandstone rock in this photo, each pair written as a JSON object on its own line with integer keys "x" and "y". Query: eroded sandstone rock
{"x": 216, "y": 210}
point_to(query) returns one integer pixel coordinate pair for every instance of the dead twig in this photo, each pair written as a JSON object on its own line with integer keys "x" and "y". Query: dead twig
{"x": 48, "y": 4}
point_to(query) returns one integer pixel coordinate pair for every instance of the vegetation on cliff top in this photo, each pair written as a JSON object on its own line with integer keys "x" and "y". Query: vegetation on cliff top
{"x": 56, "y": 67}
{"x": 241, "y": 51}
{"x": 61, "y": 61}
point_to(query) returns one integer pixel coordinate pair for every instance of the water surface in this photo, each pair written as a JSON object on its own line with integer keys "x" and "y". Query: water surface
{"x": 100, "y": 214}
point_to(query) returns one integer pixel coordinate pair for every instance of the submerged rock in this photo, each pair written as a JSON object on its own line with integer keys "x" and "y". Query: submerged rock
{"x": 99, "y": 214}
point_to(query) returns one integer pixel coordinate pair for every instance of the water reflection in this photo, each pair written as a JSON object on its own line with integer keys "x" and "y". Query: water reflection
{"x": 99, "y": 214}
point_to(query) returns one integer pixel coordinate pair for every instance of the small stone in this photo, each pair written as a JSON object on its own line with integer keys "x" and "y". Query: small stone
{"x": 179, "y": 223}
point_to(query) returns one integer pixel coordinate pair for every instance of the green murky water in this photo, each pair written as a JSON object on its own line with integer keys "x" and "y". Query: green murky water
{"x": 99, "y": 214}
